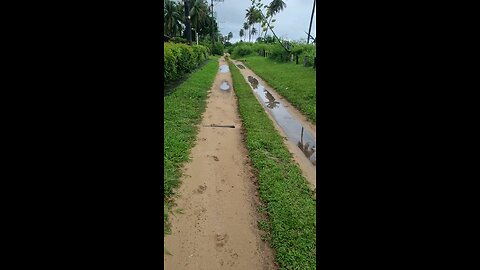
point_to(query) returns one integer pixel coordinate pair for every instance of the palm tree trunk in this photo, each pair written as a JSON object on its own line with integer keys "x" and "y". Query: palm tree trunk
{"x": 259, "y": 33}
{"x": 276, "y": 36}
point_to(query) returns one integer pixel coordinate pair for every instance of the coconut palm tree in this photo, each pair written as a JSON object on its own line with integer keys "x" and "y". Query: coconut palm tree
{"x": 273, "y": 8}
{"x": 181, "y": 20}
{"x": 242, "y": 33}
{"x": 245, "y": 27}
{"x": 254, "y": 31}
{"x": 251, "y": 17}
{"x": 258, "y": 17}
{"x": 230, "y": 36}
{"x": 198, "y": 13}
{"x": 171, "y": 17}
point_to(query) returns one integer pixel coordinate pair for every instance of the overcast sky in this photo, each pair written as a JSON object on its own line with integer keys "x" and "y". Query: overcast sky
{"x": 292, "y": 22}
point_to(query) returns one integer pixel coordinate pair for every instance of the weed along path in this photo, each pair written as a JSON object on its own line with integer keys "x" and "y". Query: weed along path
{"x": 300, "y": 134}
{"x": 214, "y": 225}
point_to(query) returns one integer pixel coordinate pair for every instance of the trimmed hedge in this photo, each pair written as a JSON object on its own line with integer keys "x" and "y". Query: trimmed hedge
{"x": 180, "y": 59}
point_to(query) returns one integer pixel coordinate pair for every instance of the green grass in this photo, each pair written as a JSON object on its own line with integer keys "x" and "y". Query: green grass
{"x": 182, "y": 112}
{"x": 296, "y": 83}
{"x": 290, "y": 208}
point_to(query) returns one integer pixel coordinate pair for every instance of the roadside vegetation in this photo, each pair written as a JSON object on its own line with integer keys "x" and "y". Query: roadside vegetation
{"x": 273, "y": 63}
{"x": 182, "y": 113}
{"x": 289, "y": 203}
{"x": 202, "y": 24}
{"x": 275, "y": 51}
{"x": 180, "y": 59}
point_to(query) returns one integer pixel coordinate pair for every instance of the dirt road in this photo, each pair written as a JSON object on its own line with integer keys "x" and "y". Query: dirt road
{"x": 217, "y": 228}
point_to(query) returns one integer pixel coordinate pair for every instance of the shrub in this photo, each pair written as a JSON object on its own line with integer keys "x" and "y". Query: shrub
{"x": 275, "y": 51}
{"x": 230, "y": 49}
{"x": 242, "y": 50}
{"x": 181, "y": 58}
{"x": 169, "y": 64}
{"x": 278, "y": 53}
{"x": 217, "y": 48}
{"x": 304, "y": 50}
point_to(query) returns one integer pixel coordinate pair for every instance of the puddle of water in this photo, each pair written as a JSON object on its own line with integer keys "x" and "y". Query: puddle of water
{"x": 224, "y": 86}
{"x": 290, "y": 125}
{"x": 272, "y": 103}
{"x": 253, "y": 81}
{"x": 224, "y": 68}
{"x": 241, "y": 66}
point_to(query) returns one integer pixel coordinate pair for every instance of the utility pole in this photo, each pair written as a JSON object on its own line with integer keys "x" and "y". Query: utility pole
{"x": 311, "y": 19}
{"x": 212, "y": 20}
{"x": 187, "y": 23}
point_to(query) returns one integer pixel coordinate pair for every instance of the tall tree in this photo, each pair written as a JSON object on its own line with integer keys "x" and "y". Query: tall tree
{"x": 200, "y": 18}
{"x": 251, "y": 17}
{"x": 242, "y": 33}
{"x": 230, "y": 36}
{"x": 198, "y": 13}
{"x": 246, "y": 27}
{"x": 257, "y": 18}
{"x": 254, "y": 31}
{"x": 273, "y": 8}
{"x": 172, "y": 17}
{"x": 182, "y": 20}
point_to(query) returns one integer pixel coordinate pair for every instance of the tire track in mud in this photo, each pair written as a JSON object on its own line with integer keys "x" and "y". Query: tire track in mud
{"x": 217, "y": 228}
{"x": 304, "y": 152}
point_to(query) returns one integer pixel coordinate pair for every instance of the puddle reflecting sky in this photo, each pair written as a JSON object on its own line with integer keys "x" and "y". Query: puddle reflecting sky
{"x": 224, "y": 86}
{"x": 224, "y": 68}
{"x": 290, "y": 125}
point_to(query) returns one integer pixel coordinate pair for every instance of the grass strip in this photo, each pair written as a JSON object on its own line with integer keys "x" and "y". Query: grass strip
{"x": 289, "y": 203}
{"x": 182, "y": 113}
{"x": 169, "y": 87}
{"x": 296, "y": 83}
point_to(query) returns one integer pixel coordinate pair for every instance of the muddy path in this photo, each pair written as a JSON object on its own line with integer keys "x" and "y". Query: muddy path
{"x": 217, "y": 226}
{"x": 299, "y": 133}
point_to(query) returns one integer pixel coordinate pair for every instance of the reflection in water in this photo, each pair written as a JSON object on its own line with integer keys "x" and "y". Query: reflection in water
{"x": 290, "y": 125}
{"x": 272, "y": 103}
{"x": 224, "y": 69}
{"x": 305, "y": 147}
{"x": 253, "y": 82}
{"x": 224, "y": 86}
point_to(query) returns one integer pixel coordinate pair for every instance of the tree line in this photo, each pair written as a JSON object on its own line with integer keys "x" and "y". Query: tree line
{"x": 200, "y": 18}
